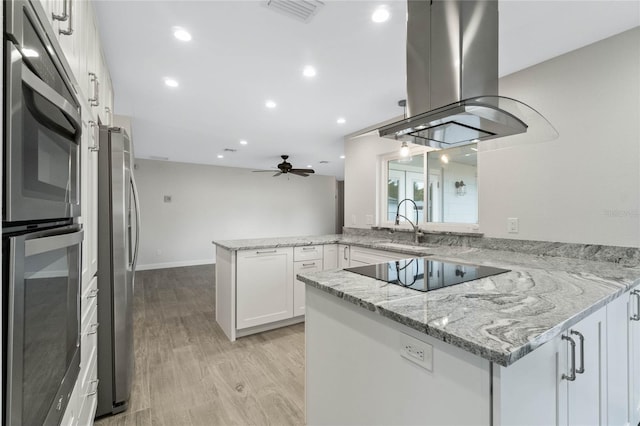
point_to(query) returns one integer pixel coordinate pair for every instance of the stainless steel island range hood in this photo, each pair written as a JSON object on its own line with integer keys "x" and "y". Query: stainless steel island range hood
{"x": 452, "y": 77}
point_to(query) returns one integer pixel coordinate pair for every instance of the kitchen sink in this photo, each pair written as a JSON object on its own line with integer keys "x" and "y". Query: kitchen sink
{"x": 403, "y": 247}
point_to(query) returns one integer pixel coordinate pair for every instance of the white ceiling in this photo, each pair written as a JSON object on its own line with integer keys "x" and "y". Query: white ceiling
{"x": 242, "y": 54}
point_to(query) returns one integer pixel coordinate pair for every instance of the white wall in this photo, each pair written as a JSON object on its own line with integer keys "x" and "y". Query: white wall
{"x": 361, "y": 177}
{"x": 583, "y": 187}
{"x": 460, "y": 209}
{"x": 216, "y": 203}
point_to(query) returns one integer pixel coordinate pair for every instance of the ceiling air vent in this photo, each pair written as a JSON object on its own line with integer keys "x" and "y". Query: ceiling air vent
{"x": 302, "y": 10}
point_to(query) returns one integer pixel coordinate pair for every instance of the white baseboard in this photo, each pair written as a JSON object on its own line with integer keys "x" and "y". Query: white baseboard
{"x": 165, "y": 265}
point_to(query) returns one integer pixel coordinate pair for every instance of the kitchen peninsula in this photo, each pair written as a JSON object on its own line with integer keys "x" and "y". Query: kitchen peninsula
{"x": 503, "y": 347}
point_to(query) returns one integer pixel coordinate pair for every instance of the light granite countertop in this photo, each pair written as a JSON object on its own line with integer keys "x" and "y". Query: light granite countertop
{"x": 500, "y": 318}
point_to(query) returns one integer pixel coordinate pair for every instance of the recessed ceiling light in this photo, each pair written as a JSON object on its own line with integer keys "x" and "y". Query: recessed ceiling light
{"x": 309, "y": 166}
{"x": 341, "y": 120}
{"x": 475, "y": 140}
{"x": 444, "y": 158}
{"x": 220, "y": 156}
{"x": 243, "y": 142}
{"x": 342, "y": 157}
{"x": 381, "y": 14}
{"x": 309, "y": 71}
{"x": 181, "y": 34}
{"x": 270, "y": 104}
{"x": 170, "y": 82}
{"x": 474, "y": 149}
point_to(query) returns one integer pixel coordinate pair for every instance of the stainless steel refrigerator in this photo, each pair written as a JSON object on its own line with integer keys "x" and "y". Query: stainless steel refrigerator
{"x": 118, "y": 236}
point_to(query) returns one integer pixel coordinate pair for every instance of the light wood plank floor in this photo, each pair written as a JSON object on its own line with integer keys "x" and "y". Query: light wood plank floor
{"x": 189, "y": 374}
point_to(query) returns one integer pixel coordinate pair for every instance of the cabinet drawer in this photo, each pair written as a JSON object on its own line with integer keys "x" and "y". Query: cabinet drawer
{"x": 88, "y": 411}
{"x": 299, "y": 286}
{"x": 88, "y": 376}
{"x": 88, "y": 300}
{"x": 307, "y": 253}
{"x": 89, "y": 337}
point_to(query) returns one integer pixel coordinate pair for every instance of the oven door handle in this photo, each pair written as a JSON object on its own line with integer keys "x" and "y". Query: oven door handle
{"x": 34, "y": 82}
{"x": 50, "y": 243}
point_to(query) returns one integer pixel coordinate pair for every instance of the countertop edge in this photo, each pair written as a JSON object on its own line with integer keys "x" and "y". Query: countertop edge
{"x": 503, "y": 359}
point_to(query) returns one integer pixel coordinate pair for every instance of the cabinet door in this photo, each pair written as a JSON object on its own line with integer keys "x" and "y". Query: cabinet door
{"x": 84, "y": 205}
{"x": 343, "y": 256}
{"x": 70, "y": 35}
{"x": 299, "y": 286}
{"x": 619, "y": 361}
{"x": 92, "y": 195}
{"x": 586, "y": 402}
{"x": 634, "y": 357}
{"x": 93, "y": 61}
{"x": 264, "y": 286}
{"x": 330, "y": 256}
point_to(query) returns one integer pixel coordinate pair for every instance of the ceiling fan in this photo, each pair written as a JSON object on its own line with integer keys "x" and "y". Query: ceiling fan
{"x": 286, "y": 167}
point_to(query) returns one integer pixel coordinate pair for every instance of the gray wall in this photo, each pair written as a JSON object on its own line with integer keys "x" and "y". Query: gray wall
{"x": 583, "y": 187}
{"x": 215, "y": 203}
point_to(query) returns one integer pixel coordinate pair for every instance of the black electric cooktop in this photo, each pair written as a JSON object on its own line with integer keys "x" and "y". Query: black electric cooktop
{"x": 424, "y": 274}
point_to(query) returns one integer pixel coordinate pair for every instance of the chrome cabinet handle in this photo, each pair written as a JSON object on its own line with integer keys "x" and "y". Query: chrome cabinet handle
{"x": 96, "y": 140}
{"x": 345, "y": 253}
{"x": 95, "y": 330}
{"x": 96, "y": 381}
{"x": 571, "y": 377}
{"x": 577, "y": 333}
{"x": 93, "y": 293}
{"x": 95, "y": 100}
{"x": 69, "y": 29}
{"x": 306, "y": 265}
{"x": 266, "y": 252}
{"x": 64, "y": 16}
{"x": 308, "y": 249}
{"x": 636, "y": 316}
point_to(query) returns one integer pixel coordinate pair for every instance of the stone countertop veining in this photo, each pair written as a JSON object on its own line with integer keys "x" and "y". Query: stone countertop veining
{"x": 500, "y": 318}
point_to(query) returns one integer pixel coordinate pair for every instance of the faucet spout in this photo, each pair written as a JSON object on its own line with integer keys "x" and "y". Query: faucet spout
{"x": 416, "y": 229}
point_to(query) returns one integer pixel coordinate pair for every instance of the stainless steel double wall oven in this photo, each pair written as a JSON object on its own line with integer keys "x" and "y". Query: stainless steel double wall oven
{"x": 41, "y": 240}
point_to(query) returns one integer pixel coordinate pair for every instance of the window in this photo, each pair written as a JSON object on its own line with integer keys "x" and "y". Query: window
{"x": 443, "y": 185}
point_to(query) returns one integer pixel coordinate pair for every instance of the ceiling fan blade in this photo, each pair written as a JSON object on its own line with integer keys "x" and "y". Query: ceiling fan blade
{"x": 262, "y": 171}
{"x": 301, "y": 171}
{"x": 298, "y": 173}
{"x": 277, "y": 174}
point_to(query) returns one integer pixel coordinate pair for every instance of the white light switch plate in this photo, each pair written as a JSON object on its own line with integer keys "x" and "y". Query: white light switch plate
{"x": 512, "y": 225}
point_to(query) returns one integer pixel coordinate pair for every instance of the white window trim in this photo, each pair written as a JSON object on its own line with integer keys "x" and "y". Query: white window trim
{"x": 381, "y": 216}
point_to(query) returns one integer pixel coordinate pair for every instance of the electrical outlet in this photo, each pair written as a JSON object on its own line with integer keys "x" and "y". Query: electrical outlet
{"x": 416, "y": 351}
{"x": 512, "y": 225}
{"x": 368, "y": 219}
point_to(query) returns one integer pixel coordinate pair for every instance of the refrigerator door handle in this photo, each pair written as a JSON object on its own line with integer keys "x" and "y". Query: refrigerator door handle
{"x": 134, "y": 190}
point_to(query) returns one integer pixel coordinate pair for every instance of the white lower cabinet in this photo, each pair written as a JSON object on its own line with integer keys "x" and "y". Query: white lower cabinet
{"x": 366, "y": 256}
{"x": 585, "y": 395}
{"x": 330, "y": 256}
{"x": 623, "y": 366}
{"x": 264, "y": 286}
{"x": 302, "y": 267}
{"x": 547, "y": 387}
{"x": 634, "y": 356}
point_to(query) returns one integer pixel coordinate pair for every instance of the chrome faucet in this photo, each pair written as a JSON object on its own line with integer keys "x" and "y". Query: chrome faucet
{"x": 416, "y": 231}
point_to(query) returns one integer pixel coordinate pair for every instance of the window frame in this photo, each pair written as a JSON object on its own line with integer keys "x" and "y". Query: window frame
{"x": 382, "y": 194}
